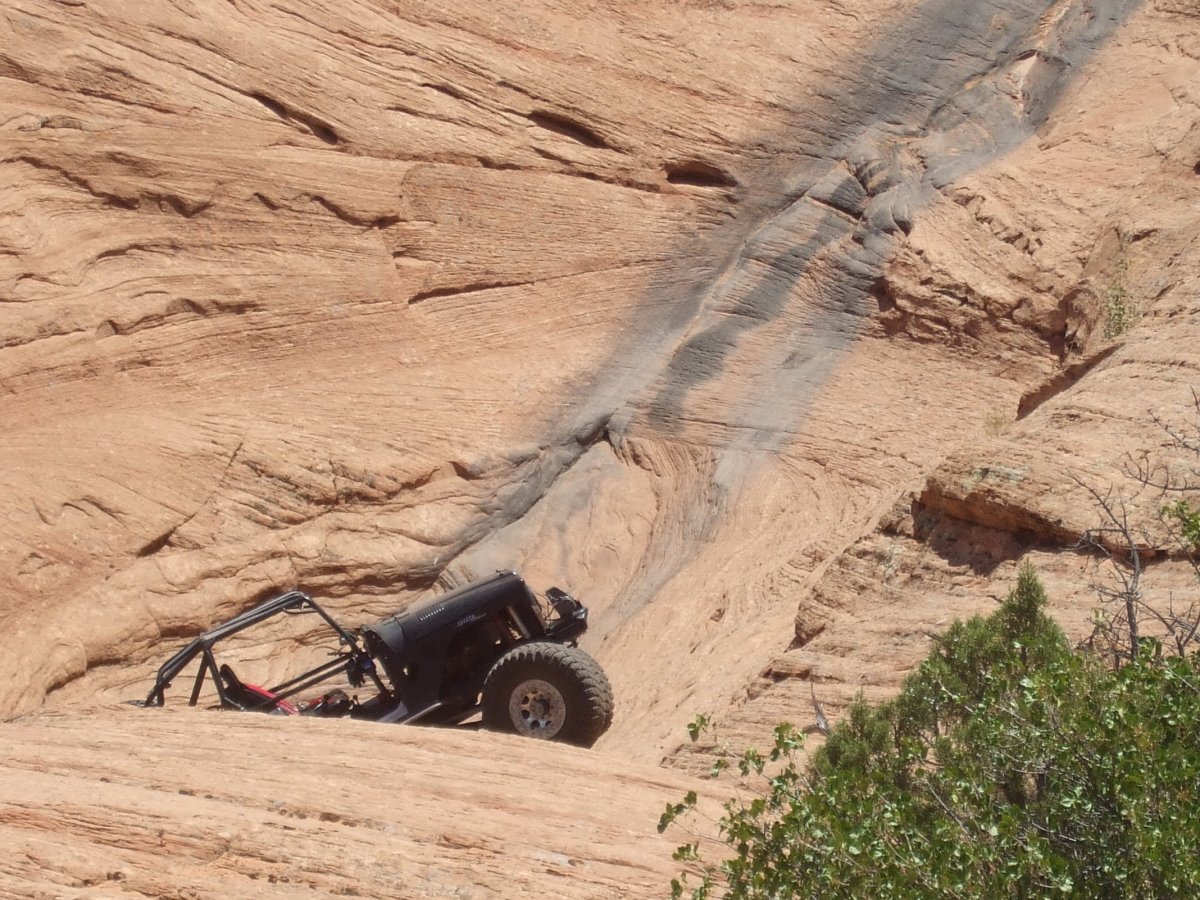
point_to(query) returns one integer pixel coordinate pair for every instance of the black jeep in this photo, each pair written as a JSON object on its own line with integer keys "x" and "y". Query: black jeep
{"x": 488, "y": 646}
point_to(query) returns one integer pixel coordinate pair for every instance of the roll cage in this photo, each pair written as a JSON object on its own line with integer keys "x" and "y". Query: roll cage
{"x": 355, "y": 662}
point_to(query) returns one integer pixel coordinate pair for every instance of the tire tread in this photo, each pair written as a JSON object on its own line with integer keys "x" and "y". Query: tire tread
{"x": 583, "y": 730}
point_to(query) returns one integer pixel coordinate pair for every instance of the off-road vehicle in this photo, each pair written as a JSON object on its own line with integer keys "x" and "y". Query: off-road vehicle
{"x": 488, "y": 647}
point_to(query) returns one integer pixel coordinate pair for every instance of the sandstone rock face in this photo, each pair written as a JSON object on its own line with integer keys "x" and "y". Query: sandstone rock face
{"x": 776, "y": 333}
{"x": 161, "y": 805}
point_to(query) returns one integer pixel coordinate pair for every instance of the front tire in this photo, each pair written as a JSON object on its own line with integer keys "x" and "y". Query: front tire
{"x": 548, "y": 691}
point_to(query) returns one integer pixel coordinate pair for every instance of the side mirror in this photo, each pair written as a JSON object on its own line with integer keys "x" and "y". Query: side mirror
{"x": 358, "y": 668}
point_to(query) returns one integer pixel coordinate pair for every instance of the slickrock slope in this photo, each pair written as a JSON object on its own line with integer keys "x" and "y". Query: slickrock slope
{"x": 775, "y": 332}
{"x": 179, "y": 805}
{"x": 1017, "y": 463}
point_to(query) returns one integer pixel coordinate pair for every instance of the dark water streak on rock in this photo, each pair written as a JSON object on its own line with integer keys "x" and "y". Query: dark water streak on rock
{"x": 928, "y": 106}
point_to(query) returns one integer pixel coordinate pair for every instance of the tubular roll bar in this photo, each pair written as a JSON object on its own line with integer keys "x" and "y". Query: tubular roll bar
{"x": 291, "y": 602}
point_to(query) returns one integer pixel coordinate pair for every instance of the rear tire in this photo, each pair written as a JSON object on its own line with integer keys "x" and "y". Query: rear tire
{"x": 548, "y": 691}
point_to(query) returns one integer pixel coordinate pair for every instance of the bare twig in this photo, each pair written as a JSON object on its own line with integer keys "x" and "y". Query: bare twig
{"x": 822, "y": 726}
{"x": 1117, "y": 544}
{"x": 1124, "y": 548}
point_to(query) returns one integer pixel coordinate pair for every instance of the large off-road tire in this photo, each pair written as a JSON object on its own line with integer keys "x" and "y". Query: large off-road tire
{"x": 548, "y": 691}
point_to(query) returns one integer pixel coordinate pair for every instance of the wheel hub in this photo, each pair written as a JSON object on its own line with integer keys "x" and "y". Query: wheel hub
{"x": 537, "y": 709}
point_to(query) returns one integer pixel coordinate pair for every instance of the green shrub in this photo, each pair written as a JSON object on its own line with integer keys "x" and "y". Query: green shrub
{"x": 1120, "y": 309}
{"x": 1187, "y": 520}
{"x": 1009, "y": 765}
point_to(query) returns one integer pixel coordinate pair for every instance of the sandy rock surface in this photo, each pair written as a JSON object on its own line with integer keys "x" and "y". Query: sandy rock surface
{"x": 777, "y": 333}
{"x": 123, "y": 803}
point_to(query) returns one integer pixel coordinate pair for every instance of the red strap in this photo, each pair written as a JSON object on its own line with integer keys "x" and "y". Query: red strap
{"x": 281, "y": 705}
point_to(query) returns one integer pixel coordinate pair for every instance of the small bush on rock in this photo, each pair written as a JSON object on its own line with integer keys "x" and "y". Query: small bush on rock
{"x": 1009, "y": 766}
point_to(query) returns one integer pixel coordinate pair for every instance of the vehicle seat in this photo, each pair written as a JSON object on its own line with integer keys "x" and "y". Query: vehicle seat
{"x": 253, "y": 697}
